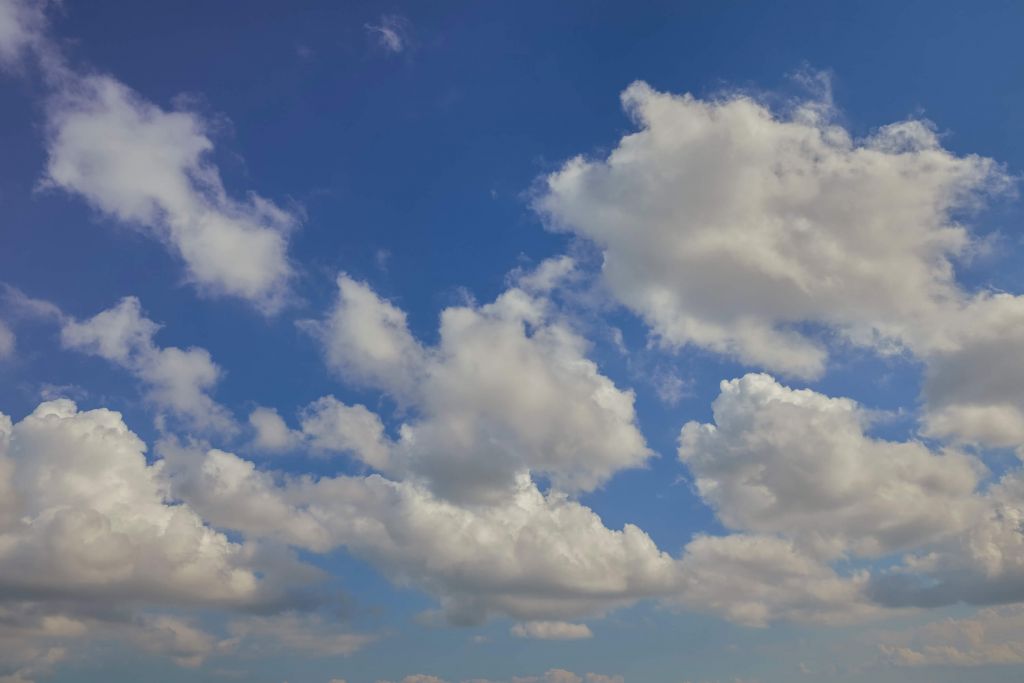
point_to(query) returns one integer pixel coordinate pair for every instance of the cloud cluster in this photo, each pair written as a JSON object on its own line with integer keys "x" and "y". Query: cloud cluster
{"x": 533, "y": 556}
{"x": 794, "y": 472}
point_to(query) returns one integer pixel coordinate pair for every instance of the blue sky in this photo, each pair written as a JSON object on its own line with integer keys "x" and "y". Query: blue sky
{"x": 555, "y": 342}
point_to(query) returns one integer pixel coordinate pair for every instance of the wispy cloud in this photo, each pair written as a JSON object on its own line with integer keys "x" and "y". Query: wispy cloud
{"x": 391, "y": 33}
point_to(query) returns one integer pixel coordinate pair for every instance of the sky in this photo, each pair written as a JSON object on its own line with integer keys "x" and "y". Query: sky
{"x": 479, "y": 342}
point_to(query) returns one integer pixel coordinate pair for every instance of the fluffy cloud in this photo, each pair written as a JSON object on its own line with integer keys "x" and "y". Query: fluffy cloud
{"x": 974, "y": 373}
{"x": 327, "y": 426}
{"x": 508, "y": 389}
{"x": 726, "y": 225}
{"x": 796, "y": 462}
{"x": 753, "y": 580}
{"x": 551, "y": 630}
{"x": 532, "y": 557}
{"x": 982, "y": 565}
{"x": 84, "y": 516}
{"x": 794, "y": 471}
{"x": 149, "y": 168}
{"x": 178, "y": 380}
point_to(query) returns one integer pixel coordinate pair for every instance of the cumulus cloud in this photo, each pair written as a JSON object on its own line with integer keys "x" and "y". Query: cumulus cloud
{"x": 794, "y": 471}
{"x": 973, "y": 374}
{"x": 551, "y": 630}
{"x": 178, "y": 380}
{"x": 508, "y": 389}
{"x": 755, "y": 579}
{"x": 85, "y": 517}
{"x": 534, "y": 556}
{"x": 779, "y": 460}
{"x": 727, "y": 225}
{"x": 150, "y": 168}
{"x": 982, "y": 565}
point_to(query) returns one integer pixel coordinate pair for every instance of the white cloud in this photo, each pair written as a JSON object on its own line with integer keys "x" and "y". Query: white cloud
{"x": 796, "y": 462}
{"x": 752, "y": 580}
{"x": 391, "y": 32}
{"x": 21, "y": 27}
{"x": 332, "y": 426}
{"x": 150, "y": 168}
{"x": 551, "y": 630}
{"x": 327, "y": 426}
{"x": 508, "y": 389}
{"x": 83, "y": 516}
{"x": 7, "y": 341}
{"x": 982, "y": 565}
{"x": 272, "y": 433}
{"x": 178, "y": 380}
{"x": 974, "y": 373}
{"x": 532, "y": 557}
{"x": 726, "y": 225}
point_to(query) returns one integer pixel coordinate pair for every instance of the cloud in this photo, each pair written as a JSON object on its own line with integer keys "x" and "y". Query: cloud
{"x": 84, "y": 517}
{"x": 150, "y": 168}
{"x": 178, "y": 380}
{"x": 21, "y": 28}
{"x": 305, "y": 633}
{"x": 983, "y": 565}
{"x": 328, "y": 426}
{"x": 756, "y": 579}
{"x": 798, "y": 463}
{"x": 508, "y": 389}
{"x": 973, "y": 374}
{"x": 551, "y": 630}
{"x": 991, "y": 636}
{"x": 549, "y": 676}
{"x": 727, "y": 225}
{"x": 794, "y": 471}
{"x": 532, "y": 557}
{"x": 391, "y": 33}
{"x": 7, "y": 341}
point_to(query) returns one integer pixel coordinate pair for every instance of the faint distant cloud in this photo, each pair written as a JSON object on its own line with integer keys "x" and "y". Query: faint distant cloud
{"x": 391, "y": 33}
